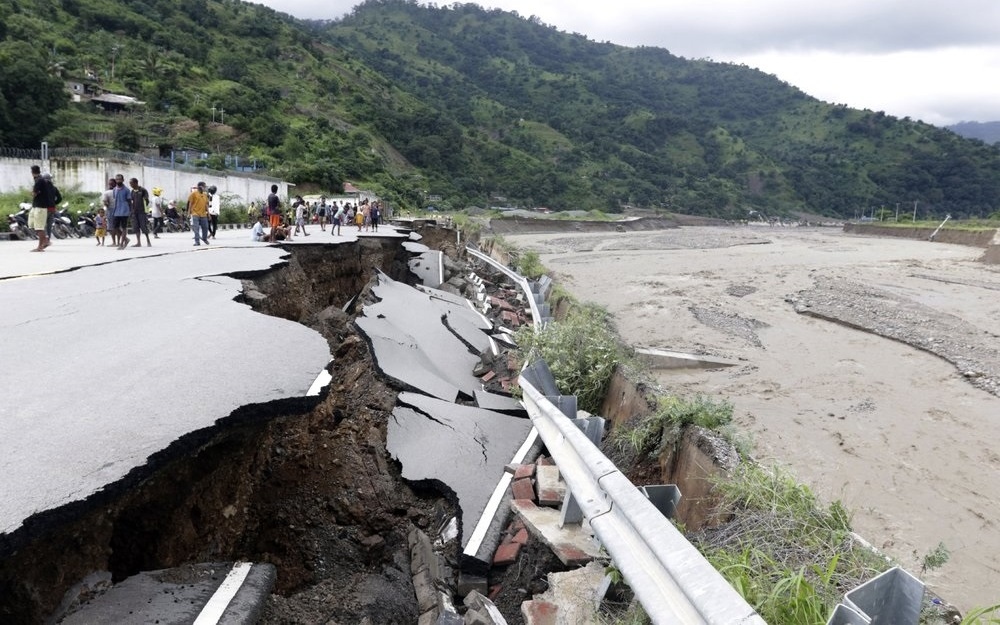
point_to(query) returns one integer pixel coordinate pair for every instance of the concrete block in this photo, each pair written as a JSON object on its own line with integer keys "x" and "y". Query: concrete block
{"x": 572, "y": 544}
{"x": 423, "y": 586}
{"x": 538, "y": 612}
{"x": 484, "y": 608}
{"x": 551, "y": 489}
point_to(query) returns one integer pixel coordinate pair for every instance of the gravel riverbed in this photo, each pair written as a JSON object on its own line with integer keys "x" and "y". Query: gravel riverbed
{"x": 868, "y": 366}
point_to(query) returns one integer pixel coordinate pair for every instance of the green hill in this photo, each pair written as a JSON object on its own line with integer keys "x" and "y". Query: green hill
{"x": 468, "y": 104}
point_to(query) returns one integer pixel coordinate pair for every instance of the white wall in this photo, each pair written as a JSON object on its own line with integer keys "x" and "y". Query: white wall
{"x": 90, "y": 175}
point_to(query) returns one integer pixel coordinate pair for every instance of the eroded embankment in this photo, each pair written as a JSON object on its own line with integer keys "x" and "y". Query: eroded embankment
{"x": 303, "y": 483}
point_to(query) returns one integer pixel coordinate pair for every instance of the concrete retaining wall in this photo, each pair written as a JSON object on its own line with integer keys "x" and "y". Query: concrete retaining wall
{"x": 90, "y": 175}
{"x": 989, "y": 239}
{"x": 972, "y": 238}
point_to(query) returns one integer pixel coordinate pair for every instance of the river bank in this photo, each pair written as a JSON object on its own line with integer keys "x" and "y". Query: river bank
{"x": 867, "y": 366}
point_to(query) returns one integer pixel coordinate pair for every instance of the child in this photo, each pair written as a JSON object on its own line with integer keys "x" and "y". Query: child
{"x": 100, "y": 226}
{"x": 300, "y": 215}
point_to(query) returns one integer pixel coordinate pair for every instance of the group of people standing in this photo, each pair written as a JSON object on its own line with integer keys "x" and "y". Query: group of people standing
{"x": 366, "y": 216}
{"x": 122, "y": 205}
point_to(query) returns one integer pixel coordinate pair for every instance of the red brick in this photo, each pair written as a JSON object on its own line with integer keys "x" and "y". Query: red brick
{"x": 538, "y": 612}
{"x": 521, "y": 537}
{"x": 523, "y": 489}
{"x": 546, "y": 461}
{"x": 570, "y": 555}
{"x": 495, "y": 592}
{"x": 489, "y": 376}
{"x": 506, "y": 554}
{"x": 524, "y": 470}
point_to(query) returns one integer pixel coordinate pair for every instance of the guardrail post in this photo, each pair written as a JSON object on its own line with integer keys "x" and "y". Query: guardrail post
{"x": 664, "y": 496}
{"x": 892, "y": 598}
{"x": 844, "y": 615}
{"x": 593, "y": 428}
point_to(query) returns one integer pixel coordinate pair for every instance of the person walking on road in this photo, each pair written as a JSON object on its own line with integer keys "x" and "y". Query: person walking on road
{"x": 54, "y": 199}
{"x": 121, "y": 209}
{"x": 301, "y": 210}
{"x": 107, "y": 201}
{"x": 214, "y": 209}
{"x": 157, "y": 206}
{"x": 197, "y": 206}
{"x": 140, "y": 199}
{"x": 39, "y": 211}
{"x": 338, "y": 218}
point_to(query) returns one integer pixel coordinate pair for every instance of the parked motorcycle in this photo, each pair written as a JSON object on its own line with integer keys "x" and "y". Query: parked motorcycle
{"x": 62, "y": 223}
{"x": 18, "y": 222}
{"x": 85, "y": 223}
{"x": 173, "y": 222}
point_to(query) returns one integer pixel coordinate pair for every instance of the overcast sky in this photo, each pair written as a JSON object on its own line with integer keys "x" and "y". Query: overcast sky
{"x": 930, "y": 60}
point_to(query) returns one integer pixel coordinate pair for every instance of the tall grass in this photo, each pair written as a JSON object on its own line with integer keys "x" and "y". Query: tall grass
{"x": 581, "y": 351}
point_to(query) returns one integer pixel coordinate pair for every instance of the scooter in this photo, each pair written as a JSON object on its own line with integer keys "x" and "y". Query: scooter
{"x": 18, "y": 222}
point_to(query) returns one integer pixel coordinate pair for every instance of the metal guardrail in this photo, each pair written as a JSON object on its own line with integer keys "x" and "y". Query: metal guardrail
{"x": 518, "y": 279}
{"x": 672, "y": 580}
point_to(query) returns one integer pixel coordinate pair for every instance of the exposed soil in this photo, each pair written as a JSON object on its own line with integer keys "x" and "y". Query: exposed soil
{"x": 305, "y": 483}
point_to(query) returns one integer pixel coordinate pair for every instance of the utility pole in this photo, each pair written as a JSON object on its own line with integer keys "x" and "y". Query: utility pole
{"x": 222, "y": 115}
{"x": 213, "y": 113}
{"x": 897, "y": 211}
{"x": 915, "y": 211}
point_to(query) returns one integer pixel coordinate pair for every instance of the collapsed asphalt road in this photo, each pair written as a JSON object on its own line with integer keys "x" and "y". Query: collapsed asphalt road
{"x": 173, "y": 427}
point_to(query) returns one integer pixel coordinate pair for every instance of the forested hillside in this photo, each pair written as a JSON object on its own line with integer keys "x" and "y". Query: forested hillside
{"x": 469, "y": 104}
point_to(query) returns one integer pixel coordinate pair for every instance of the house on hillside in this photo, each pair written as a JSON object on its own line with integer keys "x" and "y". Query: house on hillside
{"x": 115, "y": 103}
{"x": 359, "y": 195}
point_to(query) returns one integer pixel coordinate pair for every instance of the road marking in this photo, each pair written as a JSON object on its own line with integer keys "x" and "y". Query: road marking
{"x": 212, "y": 612}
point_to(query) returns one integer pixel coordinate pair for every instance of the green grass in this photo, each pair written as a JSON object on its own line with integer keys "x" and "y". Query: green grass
{"x": 789, "y": 557}
{"x": 581, "y": 351}
{"x": 665, "y": 425}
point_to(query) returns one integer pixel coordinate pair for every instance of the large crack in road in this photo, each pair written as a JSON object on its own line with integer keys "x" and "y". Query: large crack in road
{"x": 305, "y": 483}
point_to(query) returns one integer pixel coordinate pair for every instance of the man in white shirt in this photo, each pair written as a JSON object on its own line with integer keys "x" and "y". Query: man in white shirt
{"x": 214, "y": 208}
{"x": 257, "y": 232}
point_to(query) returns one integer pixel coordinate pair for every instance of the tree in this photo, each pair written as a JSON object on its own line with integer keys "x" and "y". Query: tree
{"x": 30, "y": 96}
{"x": 126, "y": 136}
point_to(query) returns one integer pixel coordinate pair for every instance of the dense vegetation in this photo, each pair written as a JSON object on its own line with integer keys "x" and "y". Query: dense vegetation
{"x": 475, "y": 106}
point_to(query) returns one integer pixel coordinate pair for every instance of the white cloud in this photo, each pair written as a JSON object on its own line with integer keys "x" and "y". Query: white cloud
{"x": 925, "y": 59}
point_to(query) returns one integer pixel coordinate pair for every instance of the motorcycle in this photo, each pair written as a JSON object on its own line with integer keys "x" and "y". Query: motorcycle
{"x": 85, "y": 223}
{"x": 173, "y": 222}
{"x": 18, "y": 222}
{"x": 62, "y": 223}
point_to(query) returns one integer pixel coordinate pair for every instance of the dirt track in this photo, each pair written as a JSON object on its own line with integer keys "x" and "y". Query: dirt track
{"x": 870, "y": 367}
